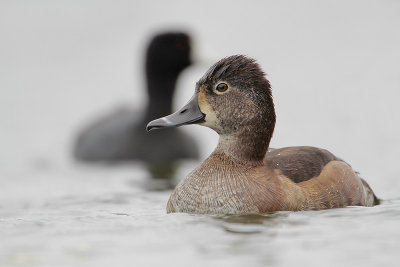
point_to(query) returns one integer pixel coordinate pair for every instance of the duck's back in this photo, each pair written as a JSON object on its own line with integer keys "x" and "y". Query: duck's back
{"x": 121, "y": 136}
{"x": 320, "y": 171}
{"x": 299, "y": 163}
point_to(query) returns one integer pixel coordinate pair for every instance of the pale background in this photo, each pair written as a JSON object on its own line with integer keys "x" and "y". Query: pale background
{"x": 334, "y": 67}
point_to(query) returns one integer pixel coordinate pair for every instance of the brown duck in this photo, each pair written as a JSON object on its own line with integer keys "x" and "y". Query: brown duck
{"x": 241, "y": 176}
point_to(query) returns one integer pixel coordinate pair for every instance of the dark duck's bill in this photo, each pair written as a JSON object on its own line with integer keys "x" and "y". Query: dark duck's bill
{"x": 188, "y": 114}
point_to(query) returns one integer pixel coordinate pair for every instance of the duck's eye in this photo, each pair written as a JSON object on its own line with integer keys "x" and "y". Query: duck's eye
{"x": 222, "y": 87}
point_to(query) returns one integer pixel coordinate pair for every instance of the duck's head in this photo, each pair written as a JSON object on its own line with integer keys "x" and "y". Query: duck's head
{"x": 167, "y": 54}
{"x": 234, "y": 99}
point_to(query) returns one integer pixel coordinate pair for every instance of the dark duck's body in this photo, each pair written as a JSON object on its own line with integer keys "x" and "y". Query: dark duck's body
{"x": 121, "y": 135}
{"x": 240, "y": 176}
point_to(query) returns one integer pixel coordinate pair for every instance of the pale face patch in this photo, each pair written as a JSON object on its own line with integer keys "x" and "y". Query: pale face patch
{"x": 210, "y": 120}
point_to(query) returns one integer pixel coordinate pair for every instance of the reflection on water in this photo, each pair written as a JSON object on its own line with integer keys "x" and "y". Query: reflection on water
{"x": 156, "y": 184}
{"x": 250, "y": 224}
{"x": 252, "y": 218}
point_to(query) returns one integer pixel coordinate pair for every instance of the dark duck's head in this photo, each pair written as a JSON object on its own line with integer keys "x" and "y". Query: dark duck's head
{"x": 234, "y": 99}
{"x": 168, "y": 54}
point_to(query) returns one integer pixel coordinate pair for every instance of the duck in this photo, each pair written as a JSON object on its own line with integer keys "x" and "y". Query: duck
{"x": 242, "y": 175}
{"x": 120, "y": 136}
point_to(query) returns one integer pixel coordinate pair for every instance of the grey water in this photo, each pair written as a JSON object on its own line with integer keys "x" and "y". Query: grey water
{"x": 75, "y": 216}
{"x": 335, "y": 71}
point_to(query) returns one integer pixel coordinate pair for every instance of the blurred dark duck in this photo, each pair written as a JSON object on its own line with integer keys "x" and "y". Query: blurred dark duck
{"x": 121, "y": 136}
{"x": 240, "y": 177}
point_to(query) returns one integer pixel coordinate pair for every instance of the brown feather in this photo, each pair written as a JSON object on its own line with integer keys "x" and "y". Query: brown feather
{"x": 299, "y": 163}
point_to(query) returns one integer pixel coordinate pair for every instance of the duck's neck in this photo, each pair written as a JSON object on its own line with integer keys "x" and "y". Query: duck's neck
{"x": 160, "y": 94}
{"x": 246, "y": 147}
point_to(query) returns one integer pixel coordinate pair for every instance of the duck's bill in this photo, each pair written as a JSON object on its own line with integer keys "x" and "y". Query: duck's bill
{"x": 188, "y": 114}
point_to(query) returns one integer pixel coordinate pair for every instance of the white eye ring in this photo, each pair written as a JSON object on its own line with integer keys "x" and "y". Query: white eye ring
{"x": 221, "y": 88}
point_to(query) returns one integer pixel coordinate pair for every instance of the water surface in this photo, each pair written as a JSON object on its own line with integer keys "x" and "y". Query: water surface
{"x": 100, "y": 216}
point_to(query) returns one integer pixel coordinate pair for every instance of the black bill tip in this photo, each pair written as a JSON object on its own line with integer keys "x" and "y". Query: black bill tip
{"x": 159, "y": 123}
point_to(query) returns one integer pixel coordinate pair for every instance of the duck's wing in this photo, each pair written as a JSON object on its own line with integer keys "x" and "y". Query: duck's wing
{"x": 299, "y": 163}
